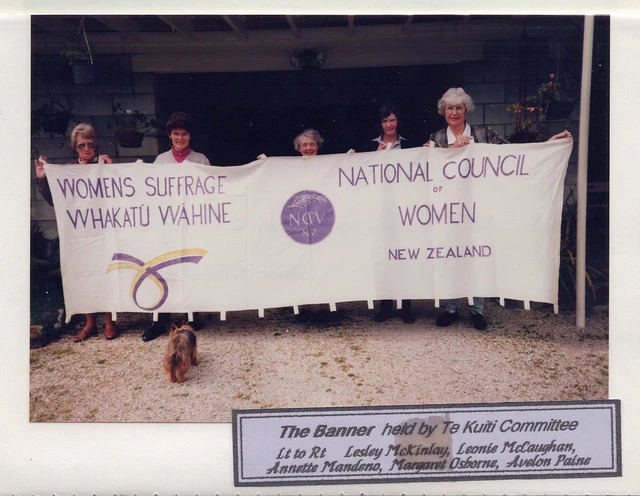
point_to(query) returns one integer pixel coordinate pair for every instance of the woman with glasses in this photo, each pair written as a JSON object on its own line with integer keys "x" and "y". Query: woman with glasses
{"x": 454, "y": 106}
{"x": 84, "y": 143}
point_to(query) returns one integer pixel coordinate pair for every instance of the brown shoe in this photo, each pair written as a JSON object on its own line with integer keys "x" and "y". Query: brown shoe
{"x": 84, "y": 334}
{"x": 111, "y": 332}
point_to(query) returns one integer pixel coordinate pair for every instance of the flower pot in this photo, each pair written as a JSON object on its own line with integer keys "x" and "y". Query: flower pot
{"x": 130, "y": 139}
{"x": 55, "y": 125}
{"x": 36, "y": 339}
{"x": 559, "y": 110}
{"x": 84, "y": 73}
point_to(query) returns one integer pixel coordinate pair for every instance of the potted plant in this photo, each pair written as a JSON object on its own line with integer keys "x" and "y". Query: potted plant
{"x": 533, "y": 114}
{"x": 51, "y": 117}
{"x": 47, "y": 300}
{"x": 132, "y": 126}
{"x": 553, "y": 106}
{"x": 81, "y": 61}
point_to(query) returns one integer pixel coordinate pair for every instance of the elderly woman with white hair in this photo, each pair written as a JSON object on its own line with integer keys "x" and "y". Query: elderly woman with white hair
{"x": 308, "y": 142}
{"x": 454, "y": 105}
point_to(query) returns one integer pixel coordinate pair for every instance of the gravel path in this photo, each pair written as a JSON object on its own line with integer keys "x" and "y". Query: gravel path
{"x": 276, "y": 362}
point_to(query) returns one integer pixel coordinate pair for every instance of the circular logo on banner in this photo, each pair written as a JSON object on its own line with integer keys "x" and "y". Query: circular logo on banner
{"x": 308, "y": 217}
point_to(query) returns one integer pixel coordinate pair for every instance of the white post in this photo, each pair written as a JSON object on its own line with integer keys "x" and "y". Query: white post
{"x": 583, "y": 155}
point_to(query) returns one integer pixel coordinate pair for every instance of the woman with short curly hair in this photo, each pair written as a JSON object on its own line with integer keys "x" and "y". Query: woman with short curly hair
{"x": 179, "y": 127}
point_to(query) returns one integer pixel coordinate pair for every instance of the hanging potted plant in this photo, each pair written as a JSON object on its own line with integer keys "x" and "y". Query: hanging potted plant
{"x": 81, "y": 62}
{"x": 80, "y": 57}
{"x": 51, "y": 117}
{"x": 553, "y": 106}
{"x": 132, "y": 126}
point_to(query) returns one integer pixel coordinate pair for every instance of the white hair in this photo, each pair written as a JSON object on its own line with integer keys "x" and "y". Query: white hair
{"x": 455, "y": 96}
{"x": 309, "y": 133}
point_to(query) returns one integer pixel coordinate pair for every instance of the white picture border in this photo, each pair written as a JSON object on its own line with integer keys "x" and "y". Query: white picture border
{"x": 183, "y": 459}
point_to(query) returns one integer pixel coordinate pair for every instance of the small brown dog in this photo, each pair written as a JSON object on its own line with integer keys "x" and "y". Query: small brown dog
{"x": 181, "y": 353}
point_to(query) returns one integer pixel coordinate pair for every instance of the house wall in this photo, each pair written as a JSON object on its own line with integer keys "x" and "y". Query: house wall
{"x": 93, "y": 104}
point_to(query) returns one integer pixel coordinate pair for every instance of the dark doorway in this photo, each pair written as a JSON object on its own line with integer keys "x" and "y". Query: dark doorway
{"x": 241, "y": 115}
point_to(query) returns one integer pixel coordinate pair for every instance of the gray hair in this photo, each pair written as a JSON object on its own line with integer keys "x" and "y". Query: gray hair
{"x": 84, "y": 130}
{"x": 455, "y": 96}
{"x": 309, "y": 133}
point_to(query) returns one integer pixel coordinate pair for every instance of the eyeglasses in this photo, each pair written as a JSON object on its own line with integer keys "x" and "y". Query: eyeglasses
{"x": 450, "y": 108}
{"x": 82, "y": 146}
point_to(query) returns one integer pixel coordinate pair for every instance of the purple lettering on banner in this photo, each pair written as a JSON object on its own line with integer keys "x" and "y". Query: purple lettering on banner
{"x": 308, "y": 217}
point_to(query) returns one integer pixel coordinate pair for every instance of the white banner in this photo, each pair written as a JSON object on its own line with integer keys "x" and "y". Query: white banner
{"x": 483, "y": 220}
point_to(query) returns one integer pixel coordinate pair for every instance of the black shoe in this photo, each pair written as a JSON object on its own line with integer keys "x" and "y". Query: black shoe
{"x": 386, "y": 310}
{"x": 479, "y": 322}
{"x": 320, "y": 317}
{"x": 155, "y": 329}
{"x": 198, "y": 321}
{"x": 407, "y": 317}
{"x": 382, "y": 316}
{"x": 446, "y": 318}
{"x": 303, "y": 316}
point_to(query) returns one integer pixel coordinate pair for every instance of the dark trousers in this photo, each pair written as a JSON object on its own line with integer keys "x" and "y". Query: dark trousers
{"x": 386, "y": 306}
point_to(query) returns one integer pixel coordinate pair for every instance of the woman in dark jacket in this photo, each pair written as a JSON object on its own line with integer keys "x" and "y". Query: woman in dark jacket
{"x": 84, "y": 143}
{"x": 389, "y": 119}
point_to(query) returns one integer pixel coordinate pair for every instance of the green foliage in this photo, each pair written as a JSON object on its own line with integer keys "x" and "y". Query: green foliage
{"x": 50, "y": 117}
{"x": 568, "y": 263}
{"x": 128, "y": 120}
{"x": 47, "y": 299}
{"x": 531, "y": 115}
{"x": 77, "y": 53}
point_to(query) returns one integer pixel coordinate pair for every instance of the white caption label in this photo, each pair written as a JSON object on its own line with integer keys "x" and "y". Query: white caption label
{"x": 453, "y": 442}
